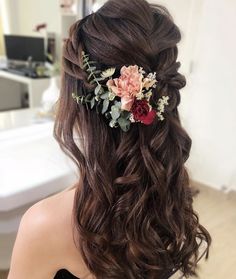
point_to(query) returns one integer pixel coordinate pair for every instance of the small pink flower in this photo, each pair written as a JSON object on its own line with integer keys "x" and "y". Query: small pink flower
{"x": 127, "y": 86}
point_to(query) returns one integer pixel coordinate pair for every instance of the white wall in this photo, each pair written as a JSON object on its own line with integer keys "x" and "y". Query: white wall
{"x": 24, "y": 15}
{"x": 21, "y": 17}
{"x": 186, "y": 14}
{"x": 212, "y": 98}
{"x": 8, "y": 7}
{"x": 207, "y": 53}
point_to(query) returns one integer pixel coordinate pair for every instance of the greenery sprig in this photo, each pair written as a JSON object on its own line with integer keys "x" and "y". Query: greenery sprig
{"x": 103, "y": 95}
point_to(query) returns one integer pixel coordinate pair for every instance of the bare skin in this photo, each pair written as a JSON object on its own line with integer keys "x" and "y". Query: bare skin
{"x": 44, "y": 242}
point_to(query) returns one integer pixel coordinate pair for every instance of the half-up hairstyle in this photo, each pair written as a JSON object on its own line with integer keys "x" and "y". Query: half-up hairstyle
{"x": 133, "y": 211}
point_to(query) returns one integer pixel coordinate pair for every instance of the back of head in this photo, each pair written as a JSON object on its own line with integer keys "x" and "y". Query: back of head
{"x": 133, "y": 206}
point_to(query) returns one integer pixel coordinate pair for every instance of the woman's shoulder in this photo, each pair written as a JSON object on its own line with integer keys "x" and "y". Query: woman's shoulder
{"x": 51, "y": 211}
{"x": 51, "y": 216}
{"x": 43, "y": 238}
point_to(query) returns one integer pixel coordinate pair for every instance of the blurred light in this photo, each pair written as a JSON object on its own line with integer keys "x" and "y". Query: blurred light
{"x": 96, "y": 6}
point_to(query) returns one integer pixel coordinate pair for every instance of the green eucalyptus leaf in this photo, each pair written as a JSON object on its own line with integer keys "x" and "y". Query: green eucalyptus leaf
{"x": 97, "y": 89}
{"x": 117, "y": 104}
{"x": 84, "y": 54}
{"x": 101, "y": 91}
{"x": 125, "y": 128}
{"x": 105, "y": 106}
{"x": 80, "y": 99}
{"x": 99, "y": 79}
{"x": 124, "y": 124}
{"x": 97, "y": 72}
{"x": 92, "y": 103}
{"x": 115, "y": 113}
{"x": 90, "y": 75}
{"x": 92, "y": 81}
{"x": 87, "y": 98}
{"x": 111, "y": 96}
{"x": 104, "y": 96}
{"x": 93, "y": 74}
{"x": 108, "y": 114}
{"x": 112, "y": 123}
{"x": 93, "y": 62}
{"x": 92, "y": 69}
{"x": 125, "y": 114}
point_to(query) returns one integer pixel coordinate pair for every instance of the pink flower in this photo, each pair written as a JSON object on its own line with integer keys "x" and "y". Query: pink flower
{"x": 127, "y": 86}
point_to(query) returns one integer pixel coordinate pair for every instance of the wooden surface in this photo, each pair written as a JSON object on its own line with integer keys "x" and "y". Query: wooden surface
{"x": 217, "y": 212}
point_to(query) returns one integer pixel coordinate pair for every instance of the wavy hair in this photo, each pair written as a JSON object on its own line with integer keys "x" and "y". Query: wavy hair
{"x": 133, "y": 212}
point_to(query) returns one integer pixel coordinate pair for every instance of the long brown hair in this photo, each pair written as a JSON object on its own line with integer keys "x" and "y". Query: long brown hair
{"x": 133, "y": 209}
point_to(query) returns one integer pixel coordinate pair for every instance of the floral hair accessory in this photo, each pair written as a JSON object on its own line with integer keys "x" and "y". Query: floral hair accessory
{"x": 125, "y": 99}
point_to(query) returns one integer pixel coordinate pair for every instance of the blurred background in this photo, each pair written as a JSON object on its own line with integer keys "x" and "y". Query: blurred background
{"x": 32, "y": 166}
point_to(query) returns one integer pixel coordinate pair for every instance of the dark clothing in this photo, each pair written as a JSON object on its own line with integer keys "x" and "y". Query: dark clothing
{"x": 64, "y": 274}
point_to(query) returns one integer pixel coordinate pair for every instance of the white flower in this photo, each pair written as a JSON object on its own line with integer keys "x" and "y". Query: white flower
{"x": 148, "y": 95}
{"x": 150, "y": 81}
{"x": 141, "y": 71}
{"x": 131, "y": 117}
{"x": 140, "y": 95}
{"x": 151, "y": 76}
{"x": 108, "y": 72}
{"x": 161, "y": 106}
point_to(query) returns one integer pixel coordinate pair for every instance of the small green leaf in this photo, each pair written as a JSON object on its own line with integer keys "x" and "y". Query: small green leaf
{"x": 84, "y": 55}
{"x": 97, "y": 71}
{"x": 86, "y": 59}
{"x": 92, "y": 103}
{"x": 111, "y": 96}
{"x": 93, "y": 74}
{"x": 80, "y": 99}
{"x": 105, "y": 106}
{"x": 91, "y": 69}
{"x": 86, "y": 104}
{"x": 93, "y": 62}
{"x": 90, "y": 75}
{"x": 99, "y": 79}
{"x": 98, "y": 106}
{"x": 108, "y": 114}
{"x": 87, "y": 98}
{"x": 117, "y": 104}
{"x": 124, "y": 124}
{"x": 112, "y": 123}
{"x": 125, "y": 114}
{"x": 101, "y": 91}
{"x": 115, "y": 113}
{"x": 97, "y": 89}
{"x": 104, "y": 96}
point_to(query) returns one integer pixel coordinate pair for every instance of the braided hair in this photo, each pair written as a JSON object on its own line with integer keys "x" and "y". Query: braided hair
{"x": 133, "y": 214}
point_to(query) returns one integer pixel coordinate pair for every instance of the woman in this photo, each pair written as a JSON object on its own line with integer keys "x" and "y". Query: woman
{"x": 131, "y": 214}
